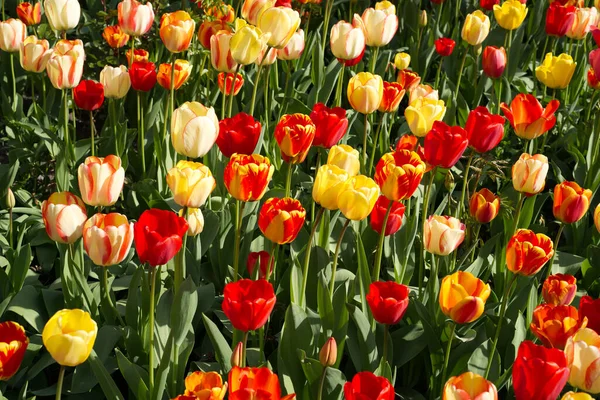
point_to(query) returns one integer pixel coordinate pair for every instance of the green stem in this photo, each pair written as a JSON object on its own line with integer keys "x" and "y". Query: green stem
{"x": 152, "y": 277}
{"x": 288, "y": 75}
{"x": 447, "y": 356}
{"x": 33, "y": 101}
{"x": 288, "y": 180}
{"x": 272, "y": 261}
{"x": 386, "y": 331}
{"x": 92, "y": 133}
{"x": 10, "y": 228}
{"x": 464, "y": 186}
{"x": 244, "y": 349}
{"x": 423, "y": 220}
{"x": 141, "y": 135}
{"x": 59, "y": 384}
{"x": 475, "y": 241}
{"x": 239, "y": 216}
{"x": 340, "y": 87}
{"x": 307, "y": 256}
{"x": 180, "y": 262}
{"x": 113, "y": 115}
{"x": 437, "y": 73}
{"x": 499, "y": 96}
{"x": 322, "y": 384}
{"x": 107, "y": 295}
{"x": 363, "y": 160}
{"x": 335, "y": 258}
{"x": 556, "y": 240}
{"x": 66, "y": 127}
{"x": 372, "y": 158}
{"x": 255, "y": 88}
{"x": 374, "y": 55}
{"x": 328, "y": 8}
{"x": 14, "y": 81}
{"x": 379, "y": 254}
{"x": 439, "y": 17}
{"x": 518, "y": 213}
{"x": 44, "y": 92}
{"x": 460, "y": 73}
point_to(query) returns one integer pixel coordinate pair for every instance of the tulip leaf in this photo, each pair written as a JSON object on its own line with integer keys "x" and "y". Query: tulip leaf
{"x": 135, "y": 376}
{"x": 361, "y": 341}
{"x": 108, "y": 385}
{"x": 479, "y": 360}
{"x": 221, "y": 346}
{"x": 409, "y": 341}
{"x": 183, "y": 310}
{"x": 19, "y": 268}
{"x": 28, "y": 304}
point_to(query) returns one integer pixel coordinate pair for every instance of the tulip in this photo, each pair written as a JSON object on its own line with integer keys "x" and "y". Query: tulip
{"x": 195, "y": 221}
{"x": 553, "y": 325}
{"x": 158, "y": 236}
{"x": 527, "y": 252}
{"x": 368, "y": 386}
{"x": 529, "y": 173}
{"x": 445, "y": 145}
{"x": 571, "y": 202}
{"x": 248, "y": 304}
{"x": 62, "y": 14}
{"x": 266, "y": 58}
{"x": 238, "y": 134}
{"x": 365, "y": 92}
{"x": 328, "y": 353}
{"x": 488, "y": 4}
{"x": 347, "y": 40}
{"x": 576, "y": 396}
{"x": 10, "y": 199}
{"x": 596, "y": 34}
{"x": 107, "y": 238}
{"x": 205, "y": 385}
{"x": 115, "y": 37}
{"x": 143, "y": 75}
{"x": 280, "y": 220}
{"x": 394, "y": 222}
{"x": 556, "y": 72}
{"x": 64, "y": 46}
{"x": 294, "y": 135}
{"x": 469, "y": 386}
{"x": 444, "y": 46}
{"x": 191, "y": 183}
{"x": 194, "y": 129}
{"x": 539, "y": 373}
{"x": 381, "y": 23}
{"x": 101, "y": 180}
{"x": 594, "y": 59}
{"x": 408, "y": 79}
{"x": 247, "y": 177}
{"x": 484, "y": 129}
{"x": 255, "y": 383}
{"x": 64, "y": 215}
{"x": 208, "y": 29}
{"x": 527, "y": 116}
{"x": 476, "y": 28}
{"x": 387, "y": 301}
{"x": 423, "y": 92}
{"x": 294, "y": 49}
{"x": 281, "y": 23}
{"x": 583, "y": 355}
{"x": 597, "y": 217}
{"x": 559, "y": 19}
{"x": 226, "y": 84}
{"x": 139, "y": 55}
{"x": 89, "y": 95}
{"x": 422, "y": 113}
{"x": 29, "y": 14}
{"x": 358, "y": 197}
{"x": 182, "y": 73}
{"x": 13, "y": 342}
{"x": 423, "y": 18}
{"x": 135, "y": 18}
{"x": 34, "y": 54}
{"x": 263, "y": 259}
{"x": 116, "y": 81}
{"x": 593, "y": 80}
{"x": 392, "y": 96}
{"x": 331, "y": 125}
{"x": 511, "y": 14}
{"x": 584, "y": 19}
{"x": 220, "y": 52}
{"x": 484, "y": 206}
{"x": 176, "y": 30}
{"x": 69, "y": 337}
{"x": 344, "y": 157}
{"x": 399, "y": 173}
{"x": 252, "y": 9}
{"x": 442, "y": 234}
{"x": 329, "y": 182}
{"x": 12, "y": 35}
{"x": 221, "y": 12}
{"x": 494, "y": 61}
{"x": 463, "y": 296}
{"x": 401, "y": 61}
{"x": 247, "y": 42}
{"x": 559, "y": 290}
{"x": 590, "y": 309}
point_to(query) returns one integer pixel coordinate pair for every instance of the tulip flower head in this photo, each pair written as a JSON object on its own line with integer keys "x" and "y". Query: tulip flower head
{"x": 294, "y": 49}
{"x": 194, "y": 129}
{"x": 408, "y": 79}
{"x": 442, "y": 234}
{"x": 590, "y": 309}
{"x": 142, "y": 75}
{"x": 294, "y": 135}
{"x": 553, "y": 325}
{"x": 238, "y": 134}
{"x": 381, "y": 23}
{"x": 358, "y": 197}
{"x": 527, "y": 252}
{"x": 401, "y": 61}
{"x": 539, "y": 373}
{"x": 463, "y": 296}
{"x": 368, "y": 386}
{"x": 34, "y": 54}
{"x": 393, "y": 93}
{"x": 584, "y": 19}
{"x": 559, "y": 289}
{"x": 101, "y": 180}
{"x": 365, "y": 92}
{"x": 387, "y": 301}
{"x": 139, "y": 55}
{"x": 62, "y": 14}
{"x": 280, "y": 220}
{"x": 593, "y": 80}
{"x": 444, "y": 46}
{"x": 484, "y": 129}
{"x": 158, "y": 236}
{"x": 527, "y": 116}
{"x": 252, "y": 9}
{"x": 583, "y": 354}
{"x": 399, "y": 173}
{"x": 529, "y": 173}
{"x": 30, "y": 14}
{"x": 205, "y": 385}
{"x": 469, "y": 386}
{"x": 107, "y": 238}
{"x": 13, "y": 342}
{"x": 394, "y": 222}
{"x": 195, "y": 221}
{"x": 248, "y": 304}
{"x": 247, "y": 177}
{"x": 64, "y": 215}
{"x": 556, "y": 71}
{"x": 220, "y": 52}
{"x": 493, "y": 61}
{"x": 191, "y": 183}
{"x": 423, "y": 92}
{"x": 255, "y": 383}
{"x": 280, "y": 23}
{"x": 221, "y": 12}
{"x": 328, "y": 353}
{"x": 484, "y": 206}
{"x": 488, "y": 4}
{"x": 69, "y": 337}
{"x": 208, "y": 29}
{"x": 115, "y": 36}
{"x": 89, "y": 95}
{"x": 247, "y": 42}
{"x": 227, "y": 83}
{"x": 135, "y": 18}
{"x": 444, "y": 145}
{"x": 347, "y": 40}
{"x": 331, "y": 125}
{"x": 511, "y": 14}
{"x": 262, "y": 259}
{"x": 571, "y": 202}
{"x": 329, "y": 182}
{"x": 559, "y": 19}
{"x": 577, "y": 396}
{"x": 422, "y": 113}
{"x": 476, "y": 28}
{"x": 116, "y": 81}
{"x": 181, "y": 75}
{"x": 65, "y": 66}
{"x": 344, "y": 157}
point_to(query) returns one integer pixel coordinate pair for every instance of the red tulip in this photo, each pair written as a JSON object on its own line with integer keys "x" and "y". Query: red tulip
{"x": 143, "y": 75}
{"x": 368, "y": 386}
{"x": 559, "y": 19}
{"x": 280, "y": 220}
{"x": 488, "y": 4}
{"x": 331, "y": 125}
{"x": 444, "y": 46}
{"x": 593, "y": 80}
{"x": 596, "y": 35}
{"x": 238, "y": 134}
{"x": 595, "y": 59}
{"x": 354, "y": 61}
{"x": 493, "y": 61}
{"x": 294, "y": 134}
{"x": 438, "y": 1}
{"x": 263, "y": 259}
{"x": 248, "y": 304}
{"x": 539, "y": 373}
{"x": 13, "y": 345}
{"x": 89, "y": 95}
{"x": 158, "y": 236}
{"x": 255, "y": 384}
{"x": 590, "y": 309}
{"x": 388, "y": 301}
{"x": 484, "y": 129}
{"x": 445, "y": 145}
{"x": 394, "y": 222}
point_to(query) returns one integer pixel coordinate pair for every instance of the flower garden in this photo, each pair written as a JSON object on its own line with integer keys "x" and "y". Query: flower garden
{"x": 308, "y": 199}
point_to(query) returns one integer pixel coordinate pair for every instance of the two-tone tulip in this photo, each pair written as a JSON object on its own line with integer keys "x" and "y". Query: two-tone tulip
{"x": 65, "y": 66}
{"x": 365, "y": 92}
{"x": 393, "y": 92}
{"x": 12, "y": 34}
{"x": 280, "y": 220}
{"x": 347, "y": 40}
{"x": 571, "y": 202}
{"x": 475, "y": 28}
{"x": 294, "y": 135}
{"x": 528, "y": 252}
{"x": 469, "y": 386}
{"x": 13, "y": 342}
{"x": 208, "y": 28}
{"x": 116, "y": 81}
{"x": 247, "y": 177}
{"x": 30, "y": 14}
{"x": 135, "y": 18}
{"x": 462, "y": 297}
{"x": 101, "y": 180}
{"x": 191, "y": 183}
{"x": 529, "y": 173}
{"x": 137, "y": 55}
{"x": 527, "y": 116}
{"x": 205, "y": 385}
{"x": 442, "y": 234}
{"x": 107, "y": 238}
{"x": 34, "y": 54}
{"x": 584, "y": 19}
{"x": 583, "y": 356}
{"x": 421, "y": 91}
{"x": 182, "y": 72}
{"x": 252, "y": 9}
{"x": 399, "y": 173}
{"x": 220, "y": 52}
{"x": 115, "y": 36}
{"x": 553, "y": 325}
{"x": 381, "y": 23}
{"x": 559, "y": 289}
{"x": 493, "y": 61}
{"x": 294, "y": 49}
{"x": 177, "y": 30}
{"x": 281, "y": 23}
{"x": 194, "y": 129}
{"x": 64, "y": 215}
{"x": 484, "y": 206}
{"x": 228, "y": 85}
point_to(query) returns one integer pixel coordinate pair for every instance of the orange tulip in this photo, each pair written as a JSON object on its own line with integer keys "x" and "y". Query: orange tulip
{"x": 527, "y": 116}
{"x": 225, "y": 83}
{"x": 527, "y": 252}
{"x": 13, "y": 344}
{"x": 280, "y": 220}
{"x": 182, "y": 73}
{"x": 247, "y": 177}
{"x": 101, "y": 180}
{"x": 393, "y": 93}
{"x": 107, "y": 238}
{"x": 294, "y": 134}
{"x": 222, "y": 12}
{"x": 463, "y": 296}
{"x": 208, "y": 29}
{"x": 559, "y": 289}
{"x": 484, "y": 206}
{"x": 176, "y": 31}
{"x": 571, "y": 202}
{"x": 139, "y": 55}
{"x": 205, "y": 386}
{"x": 469, "y": 386}
{"x": 64, "y": 215}
{"x": 30, "y": 14}
{"x": 399, "y": 173}
{"x": 255, "y": 383}
{"x": 408, "y": 79}
{"x": 597, "y": 217}
{"x": 554, "y": 325}
{"x": 115, "y": 37}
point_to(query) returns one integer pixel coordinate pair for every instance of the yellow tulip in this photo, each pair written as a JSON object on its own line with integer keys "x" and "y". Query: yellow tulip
{"x": 511, "y": 14}
{"x": 358, "y": 197}
{"x": 330, "y": 180}
{"x": 422, "y": 113}
{"x": 281, "y": 23}
{"x": 365, "y": 92}
{"x": 191, "y": 183}
{"x": 463, "y": 296}
{"x": 345, "y": 157}
{"x": 402, "y": 61}
{"x": 69, "y": 337}
{"x": 577, "y": 396}
{"x": 476, "y": 28}
{"x": 247, "y": 42}
{"x": 556, "y": 72}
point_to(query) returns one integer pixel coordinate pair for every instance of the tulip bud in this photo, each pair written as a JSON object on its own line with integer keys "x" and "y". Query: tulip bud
{"x": 237, "y": 355}
{"x": 328, "y": 353}
{"x": 423, "y": 18}
{"x": 30, "y": 14}
{"x": 10, "y": 199}
{"x": 182, "y": 73}
{"x": 449, "y": 181}
{"x": 401, "y": 61}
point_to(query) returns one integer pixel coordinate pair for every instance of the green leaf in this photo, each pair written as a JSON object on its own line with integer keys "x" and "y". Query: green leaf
{"x": 479, "y": 360}
{"x": 135, "y": 376}
{"x": 408, "y": 341}
{"x": 361, "y": 341}
{"x": 183, "y": 310}
{"x": 222, "y": 349}
{"x": 109, "y": 388}
{"x": 19, "y": 268}
{"x": 28, "y": 304}
{"x": 364, "y": 275}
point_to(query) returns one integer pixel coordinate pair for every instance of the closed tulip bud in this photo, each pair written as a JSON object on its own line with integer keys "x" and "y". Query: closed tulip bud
{"x": 139, "y": 55}
{"x": 442, "y": 234}
{"x": 365, "y": 92}
{"x": 449, "y": 182}
{"x": 401, "y": 61}
{"x": 135, "y": 18}
{"x": 237, "y": 355}
{"x": 345, "y": 157}
{"x": 226, "y": 83}
{"x": 553, "y": 325}
{"x": 194, "y": 129}
{"x": 358, "y": 197}
{"x": 182, "y": 73}
{"x": 444, "y": 145}
{"x": 475, "y": 28}
{"x": 331, "y": 125}
{"x": 69, "y": 337}
{"x": 584, "y": 19}
{"x": 571, "y": 202}
{"x": 559, "y": 19}
{"x": 381, "y": 23}
{"x": 10, "y": 199}
{"x": 576, "y": 396}
{"x": 115, "y": 36}
{"x": 199, "y": 385}
{"x": 423, "y": 92}
{"x": 280, "y": 220}
{"x": 527, "y": 252}
{"x": 247, "y": 177}
{"x": 393, "y": 93}
{"x": 444, "y": 46}
{"x": 328, "y": 353}
{"x": 13, "y": 342}
{"x": 34, "y": 54}
{"x": 422, "y": 113}
{"x": 408, "y": 79}
{"x": 30, "y": 14}
{"x": 221, "y": 12}
{"x": 511, "y": 14}
{"x": 294, "y": 49}
{"x": 247, "y": 42}
{"x": 263, "y": 259}
{"x": 266, "y": 58}
{"x": 593, "y": 80}
{"x": 116, "y": 81}
{"x": 484, "y": 129}
{"x": 347, "y": 40}
{"x": 559, "y": 289}
{"x": 64, "y": 215}
{"x": 423, "y": 18}
{"x": 208, "y": 29}
{"x": 394, "y": 222}
{"x": 527, "y": 116}
{"x": 281, "y": 23}
{"x": 177, "y": 30}
{"x": 143, "y": 75}
{"x": 484, "y": 206}
{"x": 252, "y": 9}
{"x": 463, "y": 296}
{"x": 556, "y": 72}
{"x": 529, "y": 173}
{"x": 220, "y": 52}
{"x": 195, "y": 221}
{"x": 294, "y": 135}
{"x": 399, "y": 173}
{"x": 469, "y": 386}
{"x": 597, "y": 217}
{"x": 329, "y": 181}
{"x": 62, "y": 14}
{"x": 101, "y": 180}
{"x": 191, "y": 183}
{"x": 89, "y": 95}
{"x": 12, "y": 35}
{"x": 494, "y": 61}
{"x": 107, "y": 238}
{"x": 583, "y": 355}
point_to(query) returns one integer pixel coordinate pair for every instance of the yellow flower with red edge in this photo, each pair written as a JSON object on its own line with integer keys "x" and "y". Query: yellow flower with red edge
{"x": 280, "y": 220}
{"x": 115, "y": 36}
{"x": 226, "y": 82}
{"x": 64, "y": 215}
{"x": 463, "y": 296}
{"x": 191, "y": 183}
{"x": 527, "y": 252}
{"x": 469, "y": 386}
{"x": 101, "y": 180}
{"x": 13, "y": 344}
{"x": 222, "y": 12}
{"x": 247, "y": 177}
{"x": 182, "y": 72}
{"x": 294, "y": 135}
{"x": 393, "y": 93}
{"x": 399, "y": 173}
{"x": 484, "y": 206}
{"x": 205, "y": 386}
{"x": 176, "y": 31}
{"x": 30, "y": 14}
{"x": 571, "y": 202}
{"x": 107, "y": 238}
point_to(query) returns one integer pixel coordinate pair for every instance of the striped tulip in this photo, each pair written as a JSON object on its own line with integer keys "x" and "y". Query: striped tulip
{"x": 107, "y": 238}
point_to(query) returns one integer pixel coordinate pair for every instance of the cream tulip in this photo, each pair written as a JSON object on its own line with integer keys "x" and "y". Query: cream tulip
{"x": 345, "y": 157}
{"x": 347, "y": 40}
{"x": 64, "y": 215}
{"x": 442, "y": 235}
{"x": 529, "y": 173}
{"x": 476, "y": 28}
{"x": 583, "y": 357}
{"x": 62, "y": 14}
{"x": 281, "y": 23}
{"x": 34, "y": 54}
{"x": 381, "y": 24}
{"x": 220, "y": 52}
{"x": 195, "y": 221}
{"x": 252, "y": 9}
{"x": 116, "y": 81}
{"x": 294, "y": 49}
{"x": 135, "y": 18}
{"x": 191, "y": 183}
{"x": 12, "y": 35}
{"x": 247, "y": 42}
{"x": 107, "y": 238}
{"x": 101, "y": 180}
{"x": 194, "y": 129}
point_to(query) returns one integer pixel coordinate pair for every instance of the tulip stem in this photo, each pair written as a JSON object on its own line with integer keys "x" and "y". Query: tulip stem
{"x": 517, "y": 214}
{"x": 340, "y": 87}
{"x": 288, "y": 180}
{"x": 33, "y": 102}
{"x": 152, "y": 277}
{"x": 386, "y": 331}
{"x": 460, "y": 73}
{"x": 423, "y": 220}
{"x": 447, "y": 356}
{"x": 335, "y": 258}
{"x": 328, "y": 9}
{"x": 239, "y": 216}
{"x": 374, "y": 55}
{"x": 499, "y": 326}
{"x": 10, "y": 228}
{"x": 92, "y": 133}
{"x": 59, "y": 384}
{"x": 254, "y": 89}
{"x": 379, "y": 254}
{"x": 66, "y": 127}
{"x": 477, "y": 229}
{"x": 438, "y": 72}
{"x": 464, "y": 186}
{"x": 272, "y": 261}
{"x": 322, "y": 384}
{"x": 141, "y": 138}
{"x": 180, "y": 263}
{"x": 14, "y": 81}
{"x": 231, "y": 94}
{"x": 244, "y": 349}
{"x": 556, "y": 240}
{"x": 375, "y": 142}
{"x": 107, "y": 294}
{"x": 113, "y": 115}
{"x": 363, "y": 159}
{"x": 307, "y": 255}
